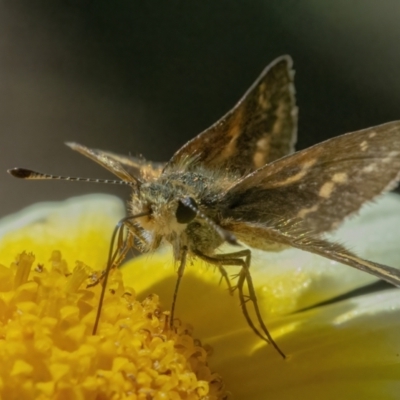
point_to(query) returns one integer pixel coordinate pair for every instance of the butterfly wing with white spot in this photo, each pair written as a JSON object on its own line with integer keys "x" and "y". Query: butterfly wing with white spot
{"x": 321, "y": 185}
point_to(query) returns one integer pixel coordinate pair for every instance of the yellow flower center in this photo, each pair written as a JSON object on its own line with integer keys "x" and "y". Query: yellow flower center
{"x": 47, "y": 350}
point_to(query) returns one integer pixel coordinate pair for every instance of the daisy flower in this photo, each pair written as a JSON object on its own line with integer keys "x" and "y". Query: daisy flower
{"x": 349, "y": 348}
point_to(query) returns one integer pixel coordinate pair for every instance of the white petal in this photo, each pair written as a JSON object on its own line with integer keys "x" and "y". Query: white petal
{"x": 65, "y": 226}
{"x": 346, "y": 350}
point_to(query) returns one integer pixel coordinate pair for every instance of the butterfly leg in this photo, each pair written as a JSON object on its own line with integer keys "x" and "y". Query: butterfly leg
{"x": 180, "y": 271}
{"x": 242, "y": 258}
{"x": 122, "y": 248}
{"x": 115, "y": 258}
{"x": 225, "y": 277}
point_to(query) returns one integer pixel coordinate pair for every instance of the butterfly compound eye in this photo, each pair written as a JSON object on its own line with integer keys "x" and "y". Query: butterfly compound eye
{"x": 186, "y": 211}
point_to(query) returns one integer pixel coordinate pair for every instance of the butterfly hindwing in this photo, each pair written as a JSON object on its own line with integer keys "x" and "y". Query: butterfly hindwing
{"x": 137, "y": 166}
{"x": 292, "y": 234}
{"x": 127, "y": 168}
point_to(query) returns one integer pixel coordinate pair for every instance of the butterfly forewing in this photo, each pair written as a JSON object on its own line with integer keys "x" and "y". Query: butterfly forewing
{"x": 259, "y": 129}
{"x": 321, "y": 185}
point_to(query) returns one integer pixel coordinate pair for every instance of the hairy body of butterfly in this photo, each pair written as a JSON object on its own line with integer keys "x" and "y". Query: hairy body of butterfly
{"x": 239, "y": 182}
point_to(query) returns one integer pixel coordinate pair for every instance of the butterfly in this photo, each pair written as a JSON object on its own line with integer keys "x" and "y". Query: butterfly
{"x": 241, "y": 182}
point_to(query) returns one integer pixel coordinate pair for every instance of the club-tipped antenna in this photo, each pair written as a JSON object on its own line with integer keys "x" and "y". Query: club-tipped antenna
{"x": 23, "y": 173}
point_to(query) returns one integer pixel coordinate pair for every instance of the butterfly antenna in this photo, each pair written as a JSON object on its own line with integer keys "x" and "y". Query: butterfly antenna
{"x": 28, "y": 174}
{"x": 225, "y": 235}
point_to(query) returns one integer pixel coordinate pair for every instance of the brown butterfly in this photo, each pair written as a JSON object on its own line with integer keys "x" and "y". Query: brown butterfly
{"x": 239, "y": 182}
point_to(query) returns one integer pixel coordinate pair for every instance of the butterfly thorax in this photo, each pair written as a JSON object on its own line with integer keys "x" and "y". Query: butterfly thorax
{"x": 164, "y": 200}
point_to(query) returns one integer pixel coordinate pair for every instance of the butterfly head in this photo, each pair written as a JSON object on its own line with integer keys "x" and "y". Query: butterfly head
{"x": 170, "y": 210}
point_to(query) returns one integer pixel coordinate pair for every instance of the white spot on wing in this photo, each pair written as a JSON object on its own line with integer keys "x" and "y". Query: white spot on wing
{"x": 339, "y": 177}
{"x": 304, "y": 211}
{"x": 301, "y": 174}
{"x": 262, "y": 147}
{"x": 326, "y": 189}
{"x": 364, "y": 145}
{"x": 369, "y": 168}
{"x": 262, "y": 101}
{"x": 390, "y": 156}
